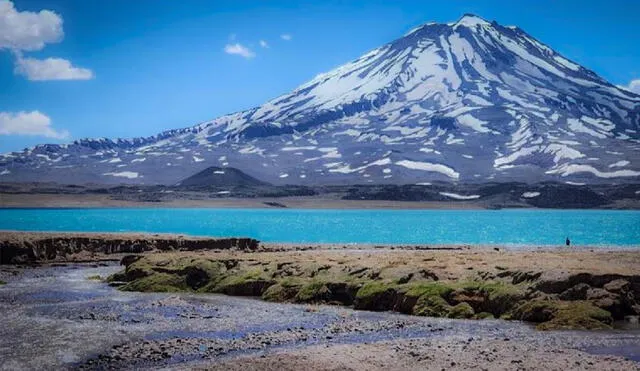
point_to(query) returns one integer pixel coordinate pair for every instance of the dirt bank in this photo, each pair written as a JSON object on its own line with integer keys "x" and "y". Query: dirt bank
{"x": 32, "y": 247}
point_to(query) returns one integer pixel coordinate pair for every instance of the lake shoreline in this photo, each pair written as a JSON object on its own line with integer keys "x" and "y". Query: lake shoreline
{"x": 71, "y": 237}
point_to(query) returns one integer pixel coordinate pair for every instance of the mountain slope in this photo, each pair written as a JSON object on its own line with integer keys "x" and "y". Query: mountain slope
{"x": 468, "y": 101}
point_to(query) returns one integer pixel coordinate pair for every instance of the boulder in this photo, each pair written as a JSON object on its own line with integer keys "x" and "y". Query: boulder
{"x": 608, "y": 301}
{"x": 577, "y": 292}
{"x": 462, "y": 310}
{"x": 431, "y": 306}
{"x": 618, "y": 286}
{"x": 535, "y": 311}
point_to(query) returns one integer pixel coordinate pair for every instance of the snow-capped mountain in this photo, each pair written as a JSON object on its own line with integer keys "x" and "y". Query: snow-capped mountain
{"x": 469, "y": 101}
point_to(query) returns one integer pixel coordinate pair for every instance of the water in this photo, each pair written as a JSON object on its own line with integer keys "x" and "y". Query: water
{"x": 504, "y": 227}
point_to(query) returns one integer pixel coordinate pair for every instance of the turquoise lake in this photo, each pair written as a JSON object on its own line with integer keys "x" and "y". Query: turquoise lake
{"x": 504, "y": 227}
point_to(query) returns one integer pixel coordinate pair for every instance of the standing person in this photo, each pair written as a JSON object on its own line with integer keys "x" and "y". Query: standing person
{"x": 568, "y": 242}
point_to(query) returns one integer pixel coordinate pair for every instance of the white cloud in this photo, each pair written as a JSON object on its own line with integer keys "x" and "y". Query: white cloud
{"x": 239, "y": 49}
{"x": 634, "y": 86}
{"x": 50, "y": 69}
{"x": 264, "y": 44}
{"x": 286, "y": 37}
{"x": 29, "y": 123}
{"x": 28, "y": 30}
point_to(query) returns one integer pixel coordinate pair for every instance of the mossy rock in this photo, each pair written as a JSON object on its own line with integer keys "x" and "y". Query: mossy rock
{"x": 313, "y": 292}
{"x": 212, "y": 269}
{"x": 535, "y": 311}
{"x": 376, "y": 296}
{"x": 431, "y": 306}
{"x": 280, "y": 293}
{"x": 499, "y": 297}
{"x": 343, "y": 293}
{"x": 578, "y": 315}
{"x": 245, "y": 288}
{"x": 241, "y": 284}
{"x": 95, "y": 277}
{"x": 117, "y": 277}
{"x": 461, "y": 310}
{"x": 2, "y": 282}
{"x": 441, "y": 289}
{"x": 157, "y": 282}
{"x": 483, "y": 315}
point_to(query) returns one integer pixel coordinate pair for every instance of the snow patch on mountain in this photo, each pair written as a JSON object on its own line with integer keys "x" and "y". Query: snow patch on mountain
{"x": 124, "y": 174}
{"x": 456, "y": 196}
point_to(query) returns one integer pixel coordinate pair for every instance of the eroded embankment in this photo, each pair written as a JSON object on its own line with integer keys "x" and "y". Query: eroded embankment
{"x": 581, "y": 290}
{"x": 30, "y": 248}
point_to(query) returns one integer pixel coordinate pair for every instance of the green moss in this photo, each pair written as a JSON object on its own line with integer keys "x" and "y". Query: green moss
{"x": 499, "y": 297}
{"x": 431, "y": 306}
{"x": 2, "y": 282}
{"x": 157, "y": 282}
{"x": 371, "y": 289}
{"x": 117, "y": 277}
{"x": 280, "y": 293}
{"x": 461, "y": 310}
{"x": 237, "y": 278}
{"x": 430, "y": 289}
{"x": 291, "y": 282}
{"x": 483, "y": 315}
{"x": 578, "y": 315}
{"x": 313, "y": 292}
{"x": 239, "y": 283}
{"x": 494, "y": 289}
{"x": 558, "y": 315}
{"x": 95, "y": 277}
{"x": 535, "y": 311}
{"x": 377, "y": 296}
{"x": 503, "y": 297}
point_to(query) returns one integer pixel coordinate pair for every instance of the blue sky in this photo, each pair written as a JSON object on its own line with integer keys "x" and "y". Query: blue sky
{"x": 122, "y": 68}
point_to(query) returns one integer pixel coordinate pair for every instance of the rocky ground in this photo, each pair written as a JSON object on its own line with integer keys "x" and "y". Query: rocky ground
{"x": 557, "y": 289}
{"x": 425, "y": 354}
{"x": 65, "y": 317}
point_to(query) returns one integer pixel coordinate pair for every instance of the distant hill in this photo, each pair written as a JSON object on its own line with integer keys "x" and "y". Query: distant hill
{"x": 220, "y": 177}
